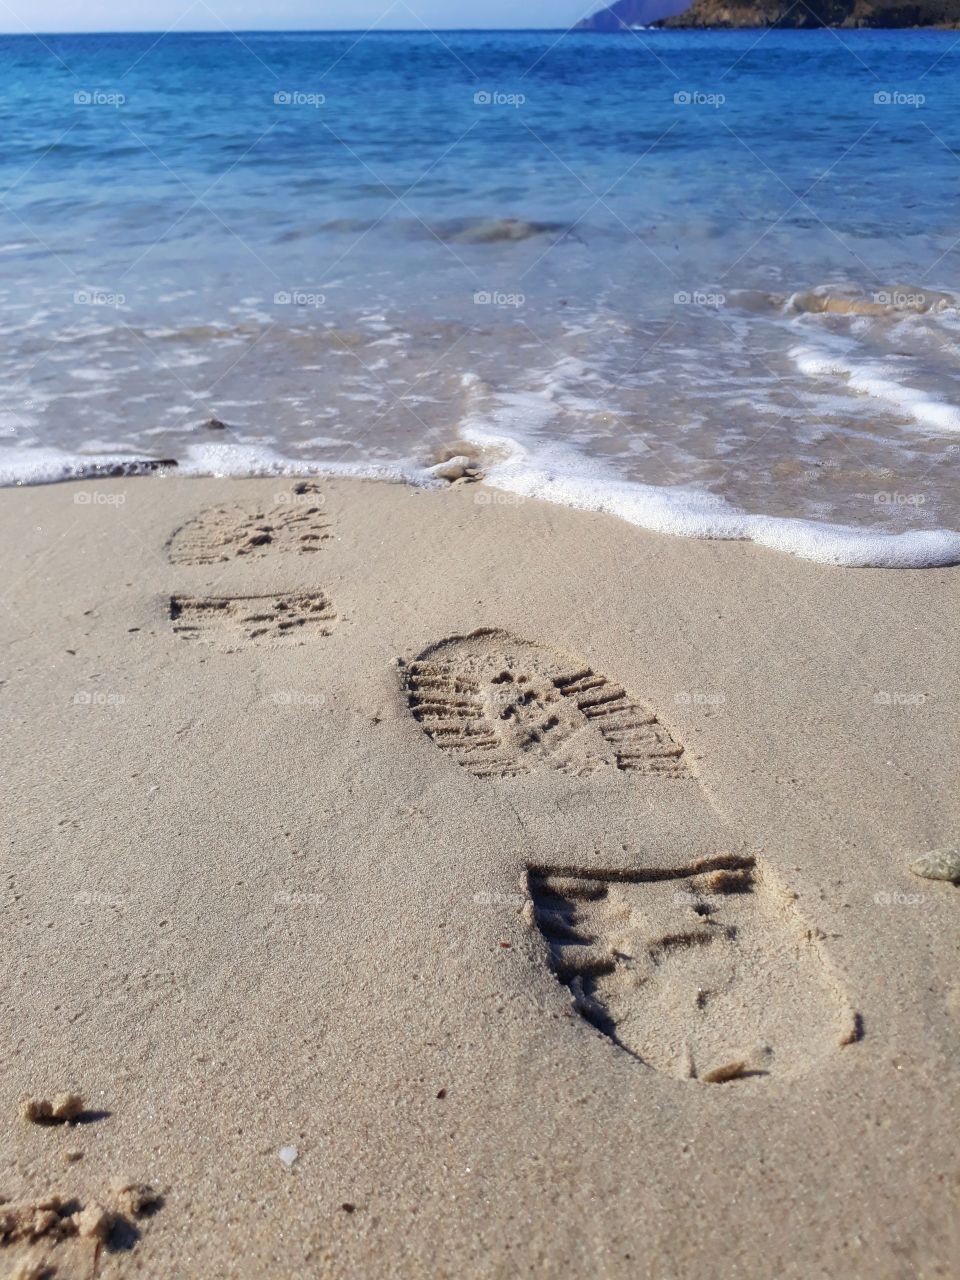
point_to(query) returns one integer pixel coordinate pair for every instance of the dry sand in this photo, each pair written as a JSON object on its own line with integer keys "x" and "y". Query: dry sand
{"x": 335, "y": 978}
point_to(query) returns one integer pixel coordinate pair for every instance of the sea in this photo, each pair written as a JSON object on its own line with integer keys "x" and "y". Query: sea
{"x": 707, "y": 282}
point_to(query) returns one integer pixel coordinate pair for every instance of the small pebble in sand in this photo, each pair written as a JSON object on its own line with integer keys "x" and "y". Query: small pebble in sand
{"x": 288, "y": 1156}
{"x": 720, "y": 1075}
{"x": 939, "y": 864}
{"x": 71, "y": 1157}
{"x": 457, "y": 468}
{"x": 63, "y": 1108}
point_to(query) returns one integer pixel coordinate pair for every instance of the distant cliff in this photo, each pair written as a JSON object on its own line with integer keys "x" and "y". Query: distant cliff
{"x": 776, "y": 13}
{"x": 631, "y": 13}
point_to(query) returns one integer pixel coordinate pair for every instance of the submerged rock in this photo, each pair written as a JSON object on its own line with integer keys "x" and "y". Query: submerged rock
{"x": 891, "y": 301}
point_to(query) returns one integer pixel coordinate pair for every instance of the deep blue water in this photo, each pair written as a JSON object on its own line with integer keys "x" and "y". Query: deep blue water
{"x": 299, "y": 233}
{"x": 399, "y": 121}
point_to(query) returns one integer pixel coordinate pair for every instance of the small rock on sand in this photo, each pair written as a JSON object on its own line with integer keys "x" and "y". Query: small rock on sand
{"x": 458, "y": 468}
{"x": 288, "y": 1156}
{"x": 730, "y": 1071}
{"x": 939, "y": 864}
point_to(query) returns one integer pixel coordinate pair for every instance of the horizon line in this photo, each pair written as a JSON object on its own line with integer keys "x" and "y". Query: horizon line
{"x": 289, "y": 31}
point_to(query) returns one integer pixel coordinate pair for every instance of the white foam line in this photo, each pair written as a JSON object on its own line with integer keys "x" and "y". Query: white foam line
{"x": 552, "y": 475}
{"x": 29, "y": 466}
{"x": 879, "y": 380}
{"x": 260, "y": 460}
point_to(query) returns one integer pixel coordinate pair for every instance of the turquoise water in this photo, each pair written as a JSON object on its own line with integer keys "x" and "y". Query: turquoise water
{"x": 595, "y": 265}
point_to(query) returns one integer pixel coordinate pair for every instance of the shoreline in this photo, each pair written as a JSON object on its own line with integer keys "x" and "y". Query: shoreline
{"x": 553, "y": 475}
{"x": 252, "y": 906}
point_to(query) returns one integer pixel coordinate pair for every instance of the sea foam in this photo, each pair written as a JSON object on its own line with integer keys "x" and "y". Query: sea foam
{"x": 548, "y": 472}
{"x": 880, "y": 380}
{"x": 555, "y": 474}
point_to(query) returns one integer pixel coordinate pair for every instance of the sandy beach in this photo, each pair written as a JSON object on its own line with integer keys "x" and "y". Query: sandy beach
{"x": 582, "y": 946}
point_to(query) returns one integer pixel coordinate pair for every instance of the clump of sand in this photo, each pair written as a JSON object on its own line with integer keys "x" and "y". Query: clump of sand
{"x": 53, "y": 1218}
{"x": 63, "y": 1108}
{"x": 133, "y": 1198}
{"x": 30, "y": 1271}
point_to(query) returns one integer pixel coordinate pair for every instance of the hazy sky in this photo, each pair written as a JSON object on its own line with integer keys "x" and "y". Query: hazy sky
{"x": 198, "y": 15}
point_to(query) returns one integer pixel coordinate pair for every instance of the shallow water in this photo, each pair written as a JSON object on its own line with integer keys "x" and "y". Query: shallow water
{"x": 703, "y": 280}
